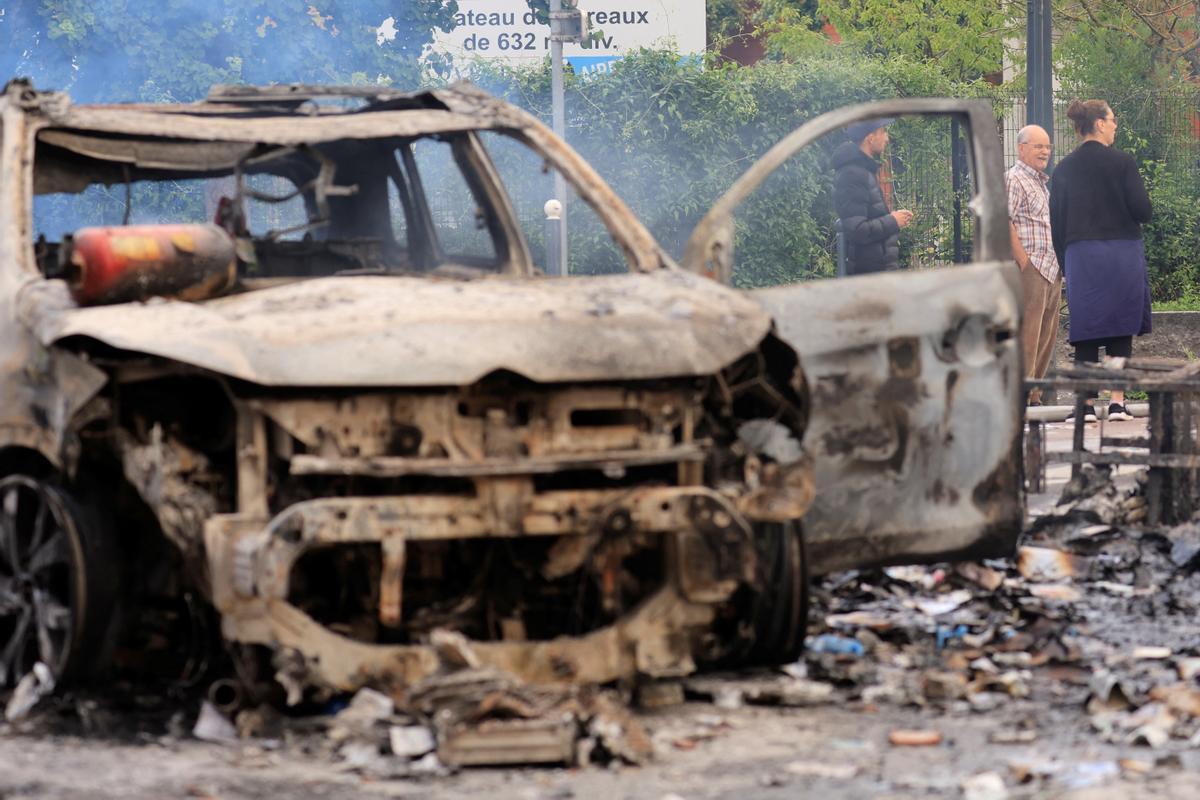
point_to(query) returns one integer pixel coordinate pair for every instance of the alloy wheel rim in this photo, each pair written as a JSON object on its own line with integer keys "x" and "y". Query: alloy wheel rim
{"x": 37, "y": 582}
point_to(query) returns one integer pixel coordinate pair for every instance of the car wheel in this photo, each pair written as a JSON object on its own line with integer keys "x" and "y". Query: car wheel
{"x": 778, "y": 611}
{"x": 57, "y": 582}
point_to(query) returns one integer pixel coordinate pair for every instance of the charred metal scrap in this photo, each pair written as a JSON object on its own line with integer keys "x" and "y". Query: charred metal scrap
{"x": 353, "y": 444}
{"x": 348, "y": 466}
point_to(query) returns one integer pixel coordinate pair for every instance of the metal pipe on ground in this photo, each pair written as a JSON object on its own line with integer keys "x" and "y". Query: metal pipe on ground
{"x": 226, "y": 696}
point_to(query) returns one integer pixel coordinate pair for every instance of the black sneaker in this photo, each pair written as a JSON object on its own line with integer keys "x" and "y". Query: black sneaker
{"x": 1117, "y": 412}
{"x": 1089, "y": 415}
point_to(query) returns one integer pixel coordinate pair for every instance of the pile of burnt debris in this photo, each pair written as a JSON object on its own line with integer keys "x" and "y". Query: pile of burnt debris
{"x": 1086, "y": 636}
{"x": 1093, "y": 618}
{"x": 471, "y": 717}
{"x": 467, "y": 715}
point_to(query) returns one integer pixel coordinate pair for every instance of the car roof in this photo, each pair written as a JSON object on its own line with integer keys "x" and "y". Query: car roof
{"x": 296, "y": 114}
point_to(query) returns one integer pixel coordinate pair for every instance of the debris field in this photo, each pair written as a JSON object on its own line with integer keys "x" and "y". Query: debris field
{"x": 1069, "y": 669}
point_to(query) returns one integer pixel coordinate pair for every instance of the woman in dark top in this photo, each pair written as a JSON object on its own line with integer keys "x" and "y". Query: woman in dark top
{"x": 1098, "y": 205}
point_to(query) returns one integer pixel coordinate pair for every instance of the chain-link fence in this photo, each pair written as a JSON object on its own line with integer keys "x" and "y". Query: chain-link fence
{"x": 1154, "y": 125}
{"x": 1161, "y": 128}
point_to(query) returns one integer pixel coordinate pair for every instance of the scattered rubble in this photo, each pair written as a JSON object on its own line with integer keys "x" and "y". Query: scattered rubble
{"x": 367, "y": 711}
{"x": 1054, "y": 624}
{"x": 984, "y": 786}
{"x": 1047, "y": 565}
{"x": 478, "y": 716}
{"x": 1091, "y": 623}
{"x": 911, "y": 738}
{"x": 821, "y": 769}
{"x": 411, "y": 741}
{"x": 35, "y": 685}
{"x": 212, "y": 726}
{"x": 732, "y": 691}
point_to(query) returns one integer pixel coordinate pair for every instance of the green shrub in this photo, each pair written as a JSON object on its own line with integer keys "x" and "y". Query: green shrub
{"x": 1173, "y": 235}
{"x": 671, "y": 135}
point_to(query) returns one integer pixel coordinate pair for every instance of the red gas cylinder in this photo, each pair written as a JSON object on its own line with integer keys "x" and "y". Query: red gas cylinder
{"x": 121, "y": 263}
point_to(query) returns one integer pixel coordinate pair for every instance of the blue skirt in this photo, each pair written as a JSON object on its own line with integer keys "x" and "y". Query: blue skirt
{"x": 1108, "y": 289}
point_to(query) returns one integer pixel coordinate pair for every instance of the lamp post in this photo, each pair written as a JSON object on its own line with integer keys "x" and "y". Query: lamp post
{"x": 567, "y": 24}
{"x": 1039, "y": 74}
{"x": 558, "y": 104}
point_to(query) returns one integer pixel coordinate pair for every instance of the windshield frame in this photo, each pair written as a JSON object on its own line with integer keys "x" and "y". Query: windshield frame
{"x": 640, "y": 250}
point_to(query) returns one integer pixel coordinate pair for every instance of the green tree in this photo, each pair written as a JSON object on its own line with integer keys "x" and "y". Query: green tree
{"x": 1107, "y": 51}
{"x": 1096, "y": 49}
{"x": 175, "y": 49}
{"x": 1167, "y": 32}
{"x": 964, "y": 38}
{"x": 728, "y": 19}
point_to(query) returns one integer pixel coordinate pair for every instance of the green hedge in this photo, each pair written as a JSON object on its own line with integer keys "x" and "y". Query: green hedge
{"x": 1173, "y": 235}
{"x": 671, "y": 135}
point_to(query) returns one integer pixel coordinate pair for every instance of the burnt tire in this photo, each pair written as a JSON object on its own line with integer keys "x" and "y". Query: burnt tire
{"x": 58, "y": 582}
{"x": 777, "y": 613}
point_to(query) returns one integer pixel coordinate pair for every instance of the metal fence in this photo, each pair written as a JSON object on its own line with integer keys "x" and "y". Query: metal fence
{"x": 1157, "y": 125}
{"x": 1160, "y": 125}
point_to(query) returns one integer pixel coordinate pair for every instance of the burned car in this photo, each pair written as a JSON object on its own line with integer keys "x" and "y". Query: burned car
{"x": 251, "y": 362}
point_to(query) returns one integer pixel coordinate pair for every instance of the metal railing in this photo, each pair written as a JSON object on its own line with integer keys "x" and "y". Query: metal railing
{"x": 1156, "y": 124}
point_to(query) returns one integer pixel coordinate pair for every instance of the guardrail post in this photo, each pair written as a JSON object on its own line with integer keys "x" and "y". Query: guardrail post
{"x": 1077, "y": 439}
{"x": 1035, "y": 463}
{"x": 1155, "y": 475}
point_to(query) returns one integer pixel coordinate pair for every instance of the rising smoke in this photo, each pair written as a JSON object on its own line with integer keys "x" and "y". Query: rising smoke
{"x": 119, "y": 51}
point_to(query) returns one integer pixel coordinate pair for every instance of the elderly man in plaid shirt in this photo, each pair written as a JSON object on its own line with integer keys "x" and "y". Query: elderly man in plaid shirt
{"x": 1029, "y": 226}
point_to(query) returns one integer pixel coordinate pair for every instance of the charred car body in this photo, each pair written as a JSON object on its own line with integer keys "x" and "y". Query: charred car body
{"x": 365, "y": 448}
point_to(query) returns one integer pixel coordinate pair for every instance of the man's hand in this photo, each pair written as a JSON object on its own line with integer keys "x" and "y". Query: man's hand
{"x": 1019, "y": 255}
{"x": 903, "y": 217}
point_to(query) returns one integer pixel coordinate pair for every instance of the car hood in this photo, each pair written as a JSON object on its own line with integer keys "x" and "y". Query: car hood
{"x": 409, "y": 331}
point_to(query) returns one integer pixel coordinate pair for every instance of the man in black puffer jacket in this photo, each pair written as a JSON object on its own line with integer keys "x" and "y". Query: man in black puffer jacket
{"x": 871, "y": 231}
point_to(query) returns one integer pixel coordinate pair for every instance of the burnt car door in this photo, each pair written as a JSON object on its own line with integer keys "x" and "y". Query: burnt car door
{"x": 915, "y": 375}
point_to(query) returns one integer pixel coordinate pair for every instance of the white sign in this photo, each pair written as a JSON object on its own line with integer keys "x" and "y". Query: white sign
{"x": 507, "y": 31}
